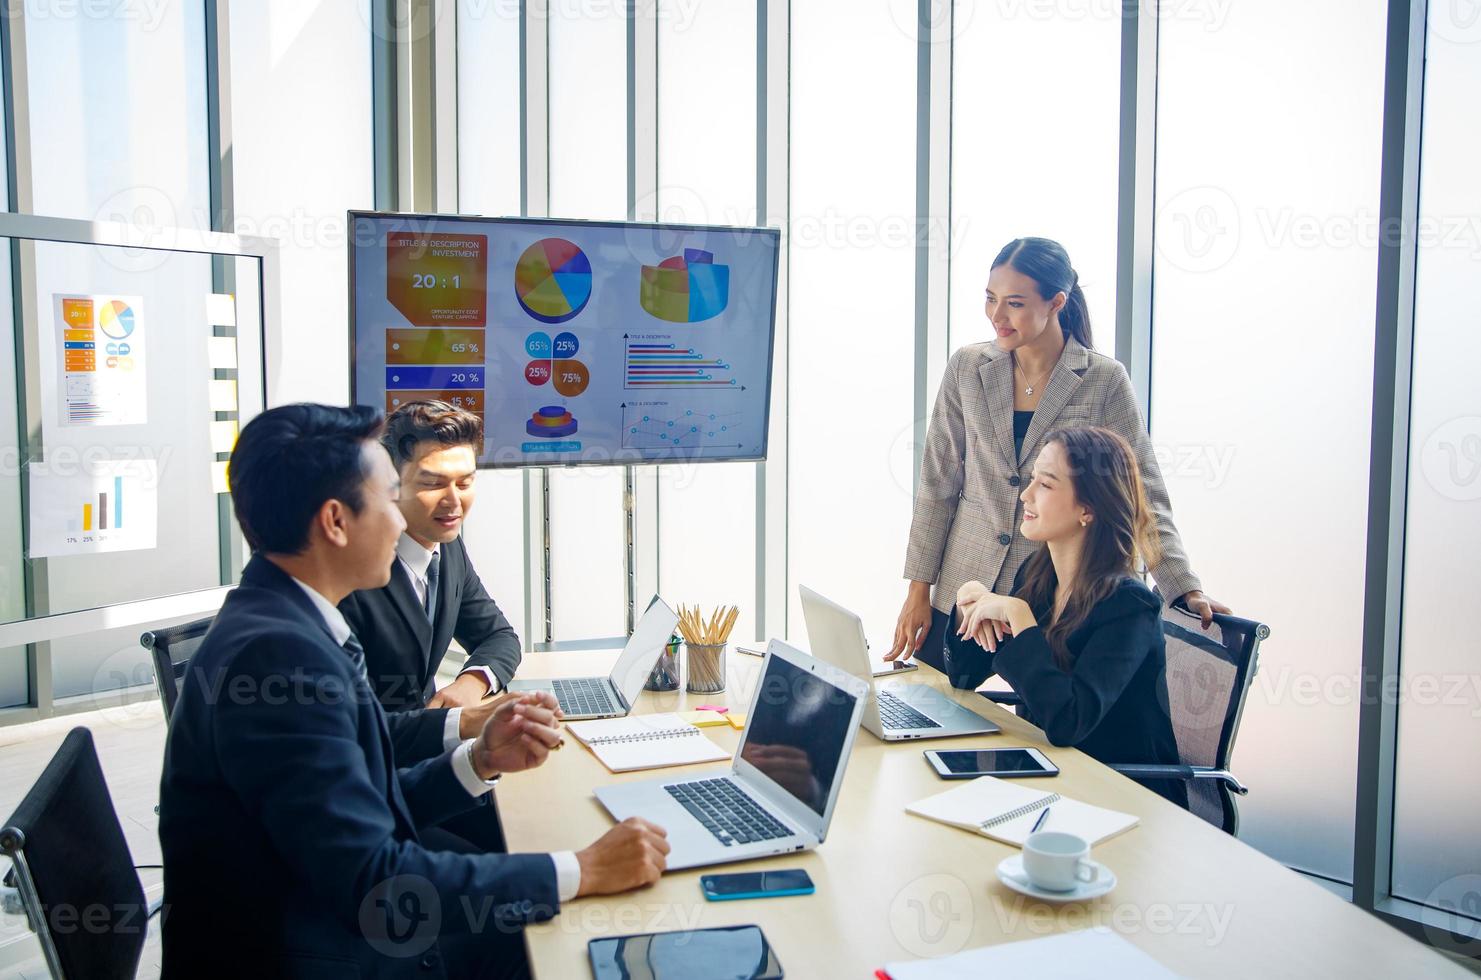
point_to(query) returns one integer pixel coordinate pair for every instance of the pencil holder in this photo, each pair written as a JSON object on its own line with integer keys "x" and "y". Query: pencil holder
{"x": 665, "y": 676}
{"x": 706, "y": 668}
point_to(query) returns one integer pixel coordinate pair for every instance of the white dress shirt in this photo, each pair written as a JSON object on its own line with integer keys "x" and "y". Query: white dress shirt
{"x": 567, "y": 868}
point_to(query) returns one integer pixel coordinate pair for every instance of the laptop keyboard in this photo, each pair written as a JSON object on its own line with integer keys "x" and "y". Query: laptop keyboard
{"x": 584, "y": 696}
{"x": 895, "y": 713}
{"x": 726, "y": 812}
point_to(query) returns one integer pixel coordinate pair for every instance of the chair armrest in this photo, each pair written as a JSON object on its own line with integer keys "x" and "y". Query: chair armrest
{"x": 155, "y": 906}
{"x": 1006, "y": 698}
{"x": 1153, "y": 771}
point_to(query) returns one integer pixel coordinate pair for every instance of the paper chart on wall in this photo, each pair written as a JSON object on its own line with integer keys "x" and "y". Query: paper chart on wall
{"x": 100, "y": 377}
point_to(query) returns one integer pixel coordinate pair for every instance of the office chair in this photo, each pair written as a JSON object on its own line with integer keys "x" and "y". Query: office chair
{"x": 1208, "y": 678}
{"x": 171, "y": 648}
{"x": 73, "y": 869}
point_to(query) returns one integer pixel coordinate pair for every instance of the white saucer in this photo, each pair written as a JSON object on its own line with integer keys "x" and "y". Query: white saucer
{"x": 1010, "y": 873}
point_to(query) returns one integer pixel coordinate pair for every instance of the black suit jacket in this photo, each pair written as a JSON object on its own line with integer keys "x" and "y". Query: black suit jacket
{"x": 287, "y": 829}
{"x": 1112, "y": 704}
{"x": 403, "y": 651}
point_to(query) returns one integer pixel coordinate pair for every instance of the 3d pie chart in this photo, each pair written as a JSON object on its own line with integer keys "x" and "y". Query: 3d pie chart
{"x": 685, "y": 288}
{"x": 551, "y": 422}
{"x": 552, "y": 280}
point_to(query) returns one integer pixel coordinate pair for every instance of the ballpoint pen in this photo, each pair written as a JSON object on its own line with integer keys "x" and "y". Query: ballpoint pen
{"x": 1043, "y": 815}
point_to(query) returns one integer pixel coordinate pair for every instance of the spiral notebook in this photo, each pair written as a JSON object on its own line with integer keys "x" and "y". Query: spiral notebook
{"x": 1006, "y": 811}
{"x": 646, "y": 742}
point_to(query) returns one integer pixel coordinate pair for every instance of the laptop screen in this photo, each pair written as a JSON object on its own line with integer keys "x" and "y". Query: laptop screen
{"x": 641, "y": 653}
{"x": 798, "y": 731}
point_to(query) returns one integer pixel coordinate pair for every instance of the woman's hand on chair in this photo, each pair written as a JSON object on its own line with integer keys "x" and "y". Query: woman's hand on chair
{"x": 1204, "y": 607}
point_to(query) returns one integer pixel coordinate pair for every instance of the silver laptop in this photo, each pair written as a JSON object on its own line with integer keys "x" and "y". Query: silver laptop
{"x": 896, "y": 711}
{"x": 613, "y": 696}
{"x": 783, "y": 782}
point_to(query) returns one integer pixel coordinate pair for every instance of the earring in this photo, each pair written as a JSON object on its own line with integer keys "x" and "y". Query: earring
{"x": 1084, "y": 522}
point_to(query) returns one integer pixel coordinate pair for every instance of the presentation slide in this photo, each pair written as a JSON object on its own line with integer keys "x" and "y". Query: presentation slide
{"x": 578, "y": 342}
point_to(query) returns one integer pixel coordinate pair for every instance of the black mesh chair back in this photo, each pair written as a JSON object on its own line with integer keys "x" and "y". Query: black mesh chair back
{"x": 74, "y": 871}
{"x": 171, "y": 648}
{"x": 1208, "y": 675}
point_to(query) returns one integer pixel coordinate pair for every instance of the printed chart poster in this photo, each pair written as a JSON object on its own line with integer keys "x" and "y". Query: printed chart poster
{"x": 87, "y": 509}
{"x": 101, "y": 340}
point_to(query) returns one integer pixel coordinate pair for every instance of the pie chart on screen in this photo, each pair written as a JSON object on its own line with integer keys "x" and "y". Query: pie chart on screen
{"x": 552, "y": 280}
{"x": 116, "y": 319}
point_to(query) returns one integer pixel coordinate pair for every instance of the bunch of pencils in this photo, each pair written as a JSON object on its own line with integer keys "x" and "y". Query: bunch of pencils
{"x": 712, "y": 632}
{"x": 706, "y": 639}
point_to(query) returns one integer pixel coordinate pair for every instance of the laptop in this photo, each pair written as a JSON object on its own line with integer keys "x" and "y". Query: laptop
{"x": 783, "y": 782}
{"x": 896, "y": 711}
{"x": 613, "y": 696}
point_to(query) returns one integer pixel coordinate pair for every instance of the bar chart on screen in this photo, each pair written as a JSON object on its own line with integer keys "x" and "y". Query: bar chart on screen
{"x": 92, "y": 507}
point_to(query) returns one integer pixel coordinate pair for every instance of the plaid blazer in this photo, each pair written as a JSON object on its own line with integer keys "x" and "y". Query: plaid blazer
{"x": 967, "y": 511}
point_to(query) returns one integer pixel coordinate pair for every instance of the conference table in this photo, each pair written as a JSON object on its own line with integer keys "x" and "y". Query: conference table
{"x": 892, "y": 886}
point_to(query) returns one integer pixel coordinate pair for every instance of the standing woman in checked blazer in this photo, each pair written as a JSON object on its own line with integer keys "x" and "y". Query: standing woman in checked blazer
{"x": 997, "y": 404}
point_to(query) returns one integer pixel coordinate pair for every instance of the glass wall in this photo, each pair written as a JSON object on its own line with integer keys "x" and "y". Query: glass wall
{"x": 1437, "y": 854}
{"x": 117, "y": 110}
{"x": 488, "y": 183}
{"x": 14, "y": 675}
{"x": 852, "y": 315}
{"x": 707, "y": 175}
{"x": 301, "y": 92}
{"x": 1268, "y": 133}
{"x": 588, "y": 179}
{"x": 1039, "y": 158}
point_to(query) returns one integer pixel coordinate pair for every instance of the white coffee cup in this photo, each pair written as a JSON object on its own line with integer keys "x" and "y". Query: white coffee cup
{"x": 1056, "y": 861}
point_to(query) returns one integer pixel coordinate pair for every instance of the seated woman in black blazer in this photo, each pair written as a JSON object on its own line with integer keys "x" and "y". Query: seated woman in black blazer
{"x": 1080, "y": 638}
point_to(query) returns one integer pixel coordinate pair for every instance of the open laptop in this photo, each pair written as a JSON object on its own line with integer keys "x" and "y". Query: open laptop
{"x": 783, "y": 782}
{"x": 896, "y": 711}
{"x": 612, "y": 696}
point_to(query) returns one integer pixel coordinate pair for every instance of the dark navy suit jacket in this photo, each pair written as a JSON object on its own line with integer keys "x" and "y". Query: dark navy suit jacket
{"x": 289, "y": 834}
{"x": 1112, "y": 703}
{"x": 403, "y": 650}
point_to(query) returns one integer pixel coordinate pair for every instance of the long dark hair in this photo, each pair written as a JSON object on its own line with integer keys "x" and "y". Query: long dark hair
{"x": 1104, "y": 474}
{"x": 1048, "y": 265}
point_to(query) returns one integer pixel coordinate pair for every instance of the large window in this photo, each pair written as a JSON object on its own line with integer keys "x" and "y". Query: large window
{"x": 707, "y": 174}
{"x": 852, "y": 317}
{"x": 1437, "y": 854}
{"x": 1268, "y": 132}
{"x": 588, "y": 179}
{"x": 1037, "y": 157}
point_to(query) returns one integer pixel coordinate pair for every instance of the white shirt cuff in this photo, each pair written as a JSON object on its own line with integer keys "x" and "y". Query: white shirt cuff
{"x": 467, "y": 775}
{"x": 486, "y": 674}
{"x": 567, "y": 875}
{"x": 450, "y": 736}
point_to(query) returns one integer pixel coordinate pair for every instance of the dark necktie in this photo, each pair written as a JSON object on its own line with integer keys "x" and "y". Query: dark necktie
{"x": 357, "y": 657}
{"x": 434, "y": 574}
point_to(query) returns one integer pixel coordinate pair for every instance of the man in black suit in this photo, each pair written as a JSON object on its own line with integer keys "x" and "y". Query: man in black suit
{"x": 434, "y": 594}
{"x": 290, "y": 835}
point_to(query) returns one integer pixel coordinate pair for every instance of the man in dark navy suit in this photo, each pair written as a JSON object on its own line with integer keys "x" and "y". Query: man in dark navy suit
{"x": 434, "y": 594}
{"x": 290, "y": 835}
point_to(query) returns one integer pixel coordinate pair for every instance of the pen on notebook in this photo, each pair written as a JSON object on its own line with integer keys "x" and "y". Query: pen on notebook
{"x": 1043, "y": 815}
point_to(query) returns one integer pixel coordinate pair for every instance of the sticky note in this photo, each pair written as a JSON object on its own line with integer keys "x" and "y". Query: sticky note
{"x": 736, "y": 719}
{"x": 221, "y": 310}
{"x": 703, "y": 719}
{"x": 222, "y": 352}
{"x": 223, "y": 396}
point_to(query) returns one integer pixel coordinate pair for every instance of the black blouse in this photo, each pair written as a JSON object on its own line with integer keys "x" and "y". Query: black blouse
{"x": 1112, "y": 703}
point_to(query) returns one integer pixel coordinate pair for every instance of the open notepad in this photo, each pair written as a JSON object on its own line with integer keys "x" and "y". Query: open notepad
{"x": 646, "y": 742}
{"x": 1096, "y": 952}
{"x": 1006, "y": 811}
